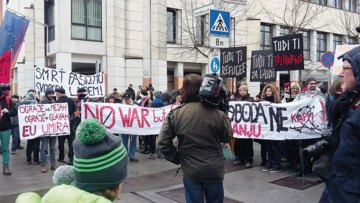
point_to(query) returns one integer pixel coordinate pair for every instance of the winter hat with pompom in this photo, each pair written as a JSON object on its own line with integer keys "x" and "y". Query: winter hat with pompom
{"x": 100, "y": 158}
{"x": 64, "y": 175}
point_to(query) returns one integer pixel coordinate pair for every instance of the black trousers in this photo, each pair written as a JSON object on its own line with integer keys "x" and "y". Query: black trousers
{"x": 33, "y": 146}
{"x": 263, "y": 150}
{"x": 70, "y": 139}
{"x": 244, "y": 150}
{"x": 152, "y": 143}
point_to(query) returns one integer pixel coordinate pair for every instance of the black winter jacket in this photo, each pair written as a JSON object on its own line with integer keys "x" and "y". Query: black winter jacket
{"x": 5, "y": 122}
{"x": 69, "y": 101}
{"x": 343, "y": 180}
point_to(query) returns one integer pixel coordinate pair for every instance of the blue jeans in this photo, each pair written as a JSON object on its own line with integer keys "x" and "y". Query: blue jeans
{"x": 125, "y": 139}
{"x": 44, "y": 147}
{"x": 15, "y": 137}
{"x": 195, "y": 191}
{"x": 274, "y": 153}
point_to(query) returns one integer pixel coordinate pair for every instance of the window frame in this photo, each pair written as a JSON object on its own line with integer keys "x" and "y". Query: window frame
{"x": 202, "y": 29}
{"x": 318, "y": 51}
{"x": 50, "y": 4}
{"x": 86, "y": 23}
{"x": 336, "y": 41}
{"x": 264, "y": 46}
{"x": 308, "y": 45}
{"x": 174, "y": 15}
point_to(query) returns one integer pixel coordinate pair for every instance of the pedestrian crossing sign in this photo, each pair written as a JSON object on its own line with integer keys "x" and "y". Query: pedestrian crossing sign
{"x": 219, "y": 22}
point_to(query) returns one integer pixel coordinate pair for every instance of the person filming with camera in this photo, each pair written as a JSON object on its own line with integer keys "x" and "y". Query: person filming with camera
{"x": 343, "y": 179}
{"x": 200, "y": 127}
{"x": 7, "y": 110}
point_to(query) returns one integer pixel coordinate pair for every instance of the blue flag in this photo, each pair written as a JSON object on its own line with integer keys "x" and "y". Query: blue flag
{"x": 12, "y": 33}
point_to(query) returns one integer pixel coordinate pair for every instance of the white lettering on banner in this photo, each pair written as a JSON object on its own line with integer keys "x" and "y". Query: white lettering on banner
{"x": 53, "y": 78}
{"x": 296, "y": 120}
{"x": 263, "y": 120}
{"x": 43, "y": 120}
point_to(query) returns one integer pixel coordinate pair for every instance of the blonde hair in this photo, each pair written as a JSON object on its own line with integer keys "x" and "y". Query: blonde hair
{"x": 110, "y": 194}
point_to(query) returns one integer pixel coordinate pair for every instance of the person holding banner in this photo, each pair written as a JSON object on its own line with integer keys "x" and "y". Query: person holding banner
{"x": 200, "y": 129}
{"x": 244, "y": 151}
{"x": 271, "y": 94}
{"x": 7, "y": 110}
{"x": 33, "y": 145}
{"x": 48, "y": 99}
{"x": 62, "y": 98}
{"x": 125, "y": 137}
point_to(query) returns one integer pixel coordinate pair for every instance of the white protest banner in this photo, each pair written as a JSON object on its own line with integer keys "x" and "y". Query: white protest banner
{"x": 302, "y": 119}
{"x": 338, "y": 63}
{"x": 127, "y": 119}
{"x": 53, "y": 78}
{"x": 40, "y": 120}
{"x": 297, "y": 120}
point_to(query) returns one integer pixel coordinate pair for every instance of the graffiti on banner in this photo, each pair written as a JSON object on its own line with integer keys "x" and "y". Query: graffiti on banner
{"x": 70, "y": 81}
{"x": 233, "y": 62}
{"x": 263, "y": 120}
{"x": 288, "y": 52}
{"x": 262, "y": 66}
{"x": 127, "y": 119}
{"x": 43, "y": 120}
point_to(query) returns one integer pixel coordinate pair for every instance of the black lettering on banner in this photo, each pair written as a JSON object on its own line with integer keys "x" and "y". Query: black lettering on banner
{"x": 233, "y": 62}
{"x": 259, "y": 112}
{"x": 262, "y": 66}
{"x": 247, "y": 112}
{"x": 278, "y": 118}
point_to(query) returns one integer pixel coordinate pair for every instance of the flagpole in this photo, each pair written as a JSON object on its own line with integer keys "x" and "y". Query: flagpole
{"x": 37, "y": 22}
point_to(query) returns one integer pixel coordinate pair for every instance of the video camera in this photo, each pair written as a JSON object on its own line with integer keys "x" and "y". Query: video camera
{"x": 212, "y": 92}
{"x": 4, "y": 87}
{"x": 328, "y": 141}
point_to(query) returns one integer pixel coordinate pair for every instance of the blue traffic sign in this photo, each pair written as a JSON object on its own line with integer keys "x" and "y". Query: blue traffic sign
{"x": 215, "y": 65}
{"x": 328, "y": 59}
{"x": 219, "y": 22}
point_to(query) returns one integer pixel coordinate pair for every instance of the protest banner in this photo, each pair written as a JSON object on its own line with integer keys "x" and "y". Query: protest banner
{"x": 263, "y": 120}
{"x": 233, "y": 62}
{"x": 296, "y": 120}
{"x": 5, "y": 66}
{"x": 288, "y": 52}
{"x": 53, "y": 78}
{"x": 338, "y": 63}
{"x": 127, "y": 119}
{"x": 262, "y": 66}
{"x": 40, "y": 120}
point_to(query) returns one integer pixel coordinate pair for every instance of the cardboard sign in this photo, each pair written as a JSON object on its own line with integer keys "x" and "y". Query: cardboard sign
{"x": 262, "y": 66}
{"x": 233, "y": 62}
{"x": 71, "y": 82}
{"x": 288, "y": 52}
{"x": 301, "y": 119}
{"x": 43, "y": 120}
{"x": 340, "y": 50}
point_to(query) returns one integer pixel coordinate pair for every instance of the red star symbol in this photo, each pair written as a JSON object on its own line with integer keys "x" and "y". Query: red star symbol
{"x": 77, "y": 113}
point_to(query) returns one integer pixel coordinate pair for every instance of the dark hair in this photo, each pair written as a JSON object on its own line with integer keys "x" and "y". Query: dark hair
{"x": 191, "y": 86}
{"x": 336, "y": 86}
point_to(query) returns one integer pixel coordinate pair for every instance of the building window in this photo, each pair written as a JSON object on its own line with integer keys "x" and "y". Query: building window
{"x": 284, "y": 31}
{"x": 352, "y": 41}
{"x": 200, "y": 30}
{"x": 352, "y": 5}
{"x": 171, "y": 25}
{"x": 306, "y": 42}
{"x": 86, "y": 20}
{"x": 337, "y": 40}
{"x": 337, "y": 4}
{"x": 265, "y": 37}
{"x": 321, "y": 44}
{"x": 49, "y": 19}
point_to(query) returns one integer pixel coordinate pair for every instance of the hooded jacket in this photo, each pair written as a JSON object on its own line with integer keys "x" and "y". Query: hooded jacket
{"x": 343, "y": 180}
{"x": 200, "y": 130}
